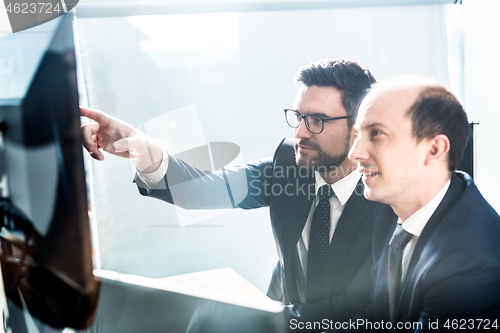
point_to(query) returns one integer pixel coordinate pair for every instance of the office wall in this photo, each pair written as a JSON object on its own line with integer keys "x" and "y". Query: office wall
{"x": 481, "y": 56}
{"x": 236, "y": 70}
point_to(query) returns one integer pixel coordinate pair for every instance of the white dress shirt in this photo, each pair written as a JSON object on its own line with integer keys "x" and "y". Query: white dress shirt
{"x": 416, "y": 222}
{"x": 151, "y": 179}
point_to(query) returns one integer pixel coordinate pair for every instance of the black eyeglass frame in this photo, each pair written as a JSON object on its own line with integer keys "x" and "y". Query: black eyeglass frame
{"x": 307, "y": 123}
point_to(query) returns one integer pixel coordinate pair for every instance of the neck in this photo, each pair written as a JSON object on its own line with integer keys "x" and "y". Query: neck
{"x": 337, "y": 173}
{"x": 423, "y": 193}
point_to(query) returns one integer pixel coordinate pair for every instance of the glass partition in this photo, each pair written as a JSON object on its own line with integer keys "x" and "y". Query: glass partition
{"x": 230, "y": 74}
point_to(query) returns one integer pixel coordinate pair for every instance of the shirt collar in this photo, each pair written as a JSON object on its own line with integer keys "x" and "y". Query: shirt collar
{"x": 343, "y": 188}
{"x": 417, "y": 221}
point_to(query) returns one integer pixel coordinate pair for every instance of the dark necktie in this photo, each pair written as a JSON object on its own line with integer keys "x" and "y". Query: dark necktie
{"x": 397, "y": 244}
{"x": 319, "y": 240}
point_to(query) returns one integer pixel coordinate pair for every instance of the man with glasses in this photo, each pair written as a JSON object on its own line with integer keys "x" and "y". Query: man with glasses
{"x": 321, "y": 222}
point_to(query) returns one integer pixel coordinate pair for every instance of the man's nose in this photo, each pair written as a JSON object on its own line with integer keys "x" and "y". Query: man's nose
{"x": 358, "y": 152}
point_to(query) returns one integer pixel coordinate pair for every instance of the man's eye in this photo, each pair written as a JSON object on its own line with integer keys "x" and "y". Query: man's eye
{"x": 316, "y": 120}
{"x": 374, "y": 133}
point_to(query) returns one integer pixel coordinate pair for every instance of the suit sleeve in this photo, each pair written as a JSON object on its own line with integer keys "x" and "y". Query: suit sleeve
{"x": 339, "y": 308}
{"x": 468, "y": 293}
{"x": 244, "y": 186}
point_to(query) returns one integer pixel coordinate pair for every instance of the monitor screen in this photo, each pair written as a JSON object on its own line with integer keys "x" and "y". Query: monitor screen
{"x": 46, "y": 244}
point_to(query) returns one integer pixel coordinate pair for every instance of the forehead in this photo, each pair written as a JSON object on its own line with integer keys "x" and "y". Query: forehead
{"x": 387, "y": 106}
{"x": 321, "y": 100}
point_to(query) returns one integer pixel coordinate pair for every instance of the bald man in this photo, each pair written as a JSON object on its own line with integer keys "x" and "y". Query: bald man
{"x": 436, "y": 244}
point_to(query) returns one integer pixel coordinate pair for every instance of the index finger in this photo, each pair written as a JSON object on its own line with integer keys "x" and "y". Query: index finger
{"x": 96, "y": 115}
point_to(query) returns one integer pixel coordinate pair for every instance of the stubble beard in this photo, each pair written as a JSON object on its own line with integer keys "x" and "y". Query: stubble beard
{"x": 322, "y": 161}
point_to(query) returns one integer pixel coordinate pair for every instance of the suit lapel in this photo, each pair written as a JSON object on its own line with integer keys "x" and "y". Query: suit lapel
{"x": 300, "y": 206}
{"x": 354, "y": 212}
{"x": 451, "y": 196}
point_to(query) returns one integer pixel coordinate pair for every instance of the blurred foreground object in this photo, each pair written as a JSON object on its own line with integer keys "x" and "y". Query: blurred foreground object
{"x": 45, "y": 237}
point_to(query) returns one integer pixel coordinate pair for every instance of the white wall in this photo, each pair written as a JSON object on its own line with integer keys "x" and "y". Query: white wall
{"x": 482, "y": 88}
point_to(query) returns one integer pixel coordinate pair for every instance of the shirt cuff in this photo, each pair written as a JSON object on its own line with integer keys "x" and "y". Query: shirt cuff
{"x": 151, "y": 179}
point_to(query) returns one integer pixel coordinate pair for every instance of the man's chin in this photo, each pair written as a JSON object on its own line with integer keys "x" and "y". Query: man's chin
{"x": 300, "y": 159}
{"x": 368, "y": 194}
{"x": 373, "y": 195}
{"x": 304, "y": 162}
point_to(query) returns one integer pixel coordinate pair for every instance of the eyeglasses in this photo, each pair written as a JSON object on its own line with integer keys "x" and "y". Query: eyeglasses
{"x": 314, "y": 124}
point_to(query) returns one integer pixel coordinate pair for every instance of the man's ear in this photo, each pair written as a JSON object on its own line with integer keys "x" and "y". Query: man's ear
{"x": 439, "y": 146}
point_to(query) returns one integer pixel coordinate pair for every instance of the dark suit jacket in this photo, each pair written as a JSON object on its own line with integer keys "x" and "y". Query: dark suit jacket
{"x": 454, "y": 271}
{"x": 289, "y": 192}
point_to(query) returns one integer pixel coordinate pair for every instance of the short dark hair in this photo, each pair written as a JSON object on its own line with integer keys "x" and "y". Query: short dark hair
{"x": 437, "y": 111}
{"x": 352, "y": 79}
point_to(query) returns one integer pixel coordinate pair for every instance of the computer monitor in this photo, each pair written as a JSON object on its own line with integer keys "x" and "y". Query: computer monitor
{"x": 45, "y": 237}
